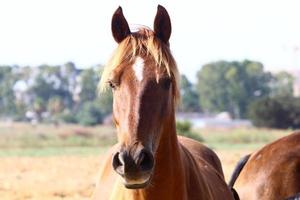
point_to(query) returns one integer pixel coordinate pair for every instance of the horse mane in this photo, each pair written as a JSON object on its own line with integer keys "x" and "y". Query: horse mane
{"x": 144, "y": 42}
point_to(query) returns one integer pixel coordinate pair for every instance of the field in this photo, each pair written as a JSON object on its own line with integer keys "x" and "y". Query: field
{"x": 46, "y": 162}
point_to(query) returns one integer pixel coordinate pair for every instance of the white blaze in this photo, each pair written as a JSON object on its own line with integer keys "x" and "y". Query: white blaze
{"x": 138, "y": 68}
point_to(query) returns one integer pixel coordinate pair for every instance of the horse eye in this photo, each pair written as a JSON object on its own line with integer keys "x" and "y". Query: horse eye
{"x": 112, "y": 84}
{"x": 166, "y": 83}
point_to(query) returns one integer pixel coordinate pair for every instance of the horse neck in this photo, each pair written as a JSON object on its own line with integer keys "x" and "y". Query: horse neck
{"x": 168, "y": 172}
{"x": 168, "y": 148}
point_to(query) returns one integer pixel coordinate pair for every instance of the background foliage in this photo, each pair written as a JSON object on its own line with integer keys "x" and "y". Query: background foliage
{"x": 68, "y": 94}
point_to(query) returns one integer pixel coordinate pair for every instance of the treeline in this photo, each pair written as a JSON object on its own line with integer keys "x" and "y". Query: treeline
{"x": 52, "y": 94}
{"x": 67, "y": 94}
{"x": 244, "y": 90}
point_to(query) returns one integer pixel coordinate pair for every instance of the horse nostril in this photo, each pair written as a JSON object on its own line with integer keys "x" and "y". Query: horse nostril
{"x": 145, "y": 160}
{"x": 118, "y": 162}
{"x": 125, "y": 164}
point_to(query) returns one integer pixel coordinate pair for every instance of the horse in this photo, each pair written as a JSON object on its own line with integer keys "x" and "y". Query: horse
{"x": 150, "y": 162}
{"x": 271, "y": 173}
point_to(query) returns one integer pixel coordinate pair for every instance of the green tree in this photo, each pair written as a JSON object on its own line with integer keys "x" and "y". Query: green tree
{"x": 7, "y": 98}
{"x": 89, "y": 82}
{"x": 231, "y": 86}
{"x": 189, "y": 96}
{"x": 184, "y": 128}
{"x": 39, "y": 106}
{"x": 282, "y": 84}
{"x": 90, "y": 114}
{"x": 210, "y": 86}
{"x": 105, "y": 102}
{"x": 42, "y": 88}
{"x": 69, "y": 67}
{"x": 55, "y": 105}
{"x": 49, "y": 83}
{"x": 276, "y": 112}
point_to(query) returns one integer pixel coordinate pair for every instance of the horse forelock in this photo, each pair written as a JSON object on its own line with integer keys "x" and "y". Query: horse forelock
{"x": 142, "y": 42}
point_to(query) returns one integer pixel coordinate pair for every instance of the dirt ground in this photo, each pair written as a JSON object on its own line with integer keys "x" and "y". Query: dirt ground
{"x": 64, "y": 177}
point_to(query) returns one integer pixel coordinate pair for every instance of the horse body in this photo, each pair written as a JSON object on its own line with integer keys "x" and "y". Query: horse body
{"x": 150, "y": 162}
{"x": 273, "y": 172}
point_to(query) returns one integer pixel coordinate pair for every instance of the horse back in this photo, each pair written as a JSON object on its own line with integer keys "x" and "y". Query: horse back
{"x": 237, "y": 170}
{"x": 273, "y": 172}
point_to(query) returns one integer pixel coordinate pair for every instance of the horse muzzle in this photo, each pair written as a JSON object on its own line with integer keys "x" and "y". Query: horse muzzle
{"x": 135, "y": 167}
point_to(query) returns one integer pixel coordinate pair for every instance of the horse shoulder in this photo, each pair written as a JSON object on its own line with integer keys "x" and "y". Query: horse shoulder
{"x": 200, "y": 151}
{"x": 202, "y": 172}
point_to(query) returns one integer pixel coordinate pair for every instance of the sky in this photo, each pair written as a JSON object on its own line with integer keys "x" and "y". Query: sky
{"x": 35, "y": 32}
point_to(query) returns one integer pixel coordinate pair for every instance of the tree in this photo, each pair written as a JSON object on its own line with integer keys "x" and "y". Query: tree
{"x": 231, "y": 86}
{"x": 7, "y": 98}
{"x": 89, "y": 81}
{"x": 90, "y": 114}
{"x": 42, "y": 88}
{"x": 55, "y": 105}
{"x": 189, "y": 96}
{"x": 184, "y": 128}
{"x": 68, "y": 68}
{"x": 276, "y": 112}
{"x": 282, "y": 84}
{"x": 105, "y": 101}
{"x": 49, "y": 83}
{"x": 210, "y": 78}
{"x": 39, "y": 106}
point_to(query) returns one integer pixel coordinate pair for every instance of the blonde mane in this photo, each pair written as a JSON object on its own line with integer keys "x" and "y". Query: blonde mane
{"x": 142, "y": 42}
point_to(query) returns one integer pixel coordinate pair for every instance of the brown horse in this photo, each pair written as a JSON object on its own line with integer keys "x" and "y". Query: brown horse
{"x": 271, "y": 173}
{"x": 150, "y": 161}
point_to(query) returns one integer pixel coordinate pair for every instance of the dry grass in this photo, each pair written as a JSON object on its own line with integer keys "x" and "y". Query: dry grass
{"x": 22, "y": 135}
{"x": 67, "y": 158}
{"x": 65, "y": 177}
{"x": 60, "y": 177}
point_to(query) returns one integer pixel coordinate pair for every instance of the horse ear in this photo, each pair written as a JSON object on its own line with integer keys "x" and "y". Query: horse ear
{"x": 162, "y": 24}
{"x": 119, "y": 26}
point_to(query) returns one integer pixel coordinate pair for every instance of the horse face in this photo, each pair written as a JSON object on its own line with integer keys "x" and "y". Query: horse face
{"x": 142, "y": 103}
{"x": 143, "y": 100}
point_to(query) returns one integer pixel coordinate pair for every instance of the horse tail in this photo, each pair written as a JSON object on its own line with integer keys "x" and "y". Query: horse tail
{"x": 296, "y": 197}
{"x": 237, "y": 170}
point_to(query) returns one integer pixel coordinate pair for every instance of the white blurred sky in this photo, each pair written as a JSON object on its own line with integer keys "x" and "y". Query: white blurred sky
{"x": 35, "y": 32}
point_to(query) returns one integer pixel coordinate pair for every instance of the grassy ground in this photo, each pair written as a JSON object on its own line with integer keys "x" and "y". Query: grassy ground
{"x": 51, "y": 151}
{"x": 62, "y": 162}
{"x": 21, "y": 139}
{"x": 22, "y": 135}
{"x": 240, "y": 138}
